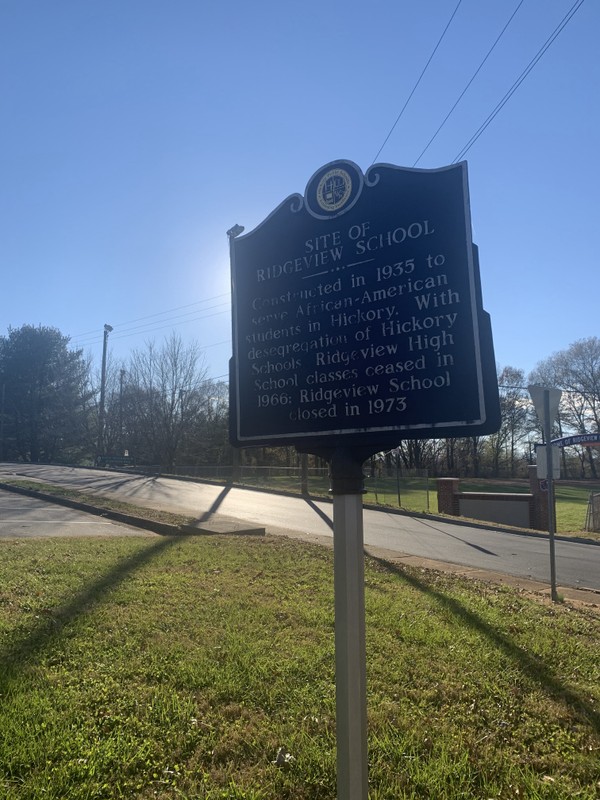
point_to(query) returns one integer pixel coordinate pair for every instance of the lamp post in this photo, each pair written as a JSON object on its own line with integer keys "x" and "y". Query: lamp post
{"x": 107, "y": 330}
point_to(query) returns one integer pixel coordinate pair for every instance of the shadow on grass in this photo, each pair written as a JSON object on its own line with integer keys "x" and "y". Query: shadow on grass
{"x": 530, "y": 665}
{"x": 18, "y": 656}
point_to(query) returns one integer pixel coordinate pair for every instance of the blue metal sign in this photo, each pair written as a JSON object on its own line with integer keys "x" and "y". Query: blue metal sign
{"x": 585, "y": 439}
{"x": 357, "y": 313}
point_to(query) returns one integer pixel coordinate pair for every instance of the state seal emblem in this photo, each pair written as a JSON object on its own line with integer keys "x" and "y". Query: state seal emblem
{"x": 334, "y": 189}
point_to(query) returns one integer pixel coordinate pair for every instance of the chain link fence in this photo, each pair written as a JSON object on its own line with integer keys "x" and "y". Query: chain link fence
{"x": 592, "y": 521}
{"x": 411, "y": 490}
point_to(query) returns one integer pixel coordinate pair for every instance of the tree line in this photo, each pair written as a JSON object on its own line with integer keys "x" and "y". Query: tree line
{"x": 160, "y": 408}
{"x": 507, "y": 453}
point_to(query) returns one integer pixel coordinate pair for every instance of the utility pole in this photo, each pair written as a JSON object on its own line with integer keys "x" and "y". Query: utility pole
{"x": 121, "y": 379}
{"x": 107, "y": 330}
{"x": 2, "y": 422}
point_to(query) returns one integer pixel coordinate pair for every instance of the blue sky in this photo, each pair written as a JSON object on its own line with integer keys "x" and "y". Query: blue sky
{"x": 136, "y": 132}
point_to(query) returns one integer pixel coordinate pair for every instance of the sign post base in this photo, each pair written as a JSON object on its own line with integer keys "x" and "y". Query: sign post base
{"x": 350, "y": 651}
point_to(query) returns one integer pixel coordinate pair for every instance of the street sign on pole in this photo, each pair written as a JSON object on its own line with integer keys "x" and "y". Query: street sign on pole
{"x": 582, "y": 439}
{"x": 542, "y": 462}
{"x": 537, "y": 394}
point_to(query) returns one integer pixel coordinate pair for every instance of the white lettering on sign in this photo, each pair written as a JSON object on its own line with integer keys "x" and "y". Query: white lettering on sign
{"x": 351, "y": 368}
{"x": 369, "y": 324}
{"x": 364, "y": 308}
{"x": 390, "y": 238}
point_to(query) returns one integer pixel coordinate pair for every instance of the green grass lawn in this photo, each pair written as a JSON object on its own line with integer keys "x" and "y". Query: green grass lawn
{"x": 571, "y": 506}
{"x": 177, "y": 667}
{"x": 411, "y": 494}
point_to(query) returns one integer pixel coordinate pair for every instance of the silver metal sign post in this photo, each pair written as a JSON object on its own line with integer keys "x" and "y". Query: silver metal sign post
{"x": 546, "y": 402}
{"x": 550, "y": 480}
{"x": 350, "y": 651}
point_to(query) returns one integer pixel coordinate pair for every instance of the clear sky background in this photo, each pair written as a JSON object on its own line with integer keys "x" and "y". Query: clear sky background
{"x": 135, "y": 133}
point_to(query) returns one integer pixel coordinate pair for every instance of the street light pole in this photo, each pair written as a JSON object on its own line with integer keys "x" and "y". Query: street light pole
{"x": 121, "y": 379}
{"x": 107, "y": 330}
{"x": 2, "y": 422}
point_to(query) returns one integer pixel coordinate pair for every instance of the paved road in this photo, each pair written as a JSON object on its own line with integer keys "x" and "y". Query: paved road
{"x": 578, "y": 564}
{"x": 27, "y": 517}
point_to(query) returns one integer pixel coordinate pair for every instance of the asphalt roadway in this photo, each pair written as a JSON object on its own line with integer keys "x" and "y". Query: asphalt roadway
{"x": 467, "y": 549}
{"x": 25, "y": 517}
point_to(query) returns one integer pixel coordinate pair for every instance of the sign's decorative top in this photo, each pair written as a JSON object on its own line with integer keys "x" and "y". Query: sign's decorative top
{"x": 358, "y": 313}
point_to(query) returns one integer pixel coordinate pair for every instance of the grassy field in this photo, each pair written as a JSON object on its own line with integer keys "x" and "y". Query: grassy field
{"x": 571, "y": 506}
{"x": 411, "y": 494}
{"x": 178, "y": 667}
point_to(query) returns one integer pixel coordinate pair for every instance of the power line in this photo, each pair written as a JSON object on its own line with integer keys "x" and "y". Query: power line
{"x": 178, "y": 320}
{"x": 145, "y": 329}
{"x": 157, "y": 314}
{"x": 414, "y": 89}
{"x": 152, "y": 321}
{"x": 189, "y": 316}
{"x": 178, "y": 308}
{"x": 142, "y": 332}
{"x": 464, "y": 91}
{"x": 559, "y": 28}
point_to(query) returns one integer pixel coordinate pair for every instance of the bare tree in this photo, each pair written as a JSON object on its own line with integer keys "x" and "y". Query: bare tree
{"x": 576, "y": 370}
{"x": 164, "y": 398}
{"x": 514, "y": 406}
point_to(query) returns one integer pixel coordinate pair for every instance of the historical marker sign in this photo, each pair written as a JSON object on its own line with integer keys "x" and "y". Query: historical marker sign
{"x": 357, "y": 313}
